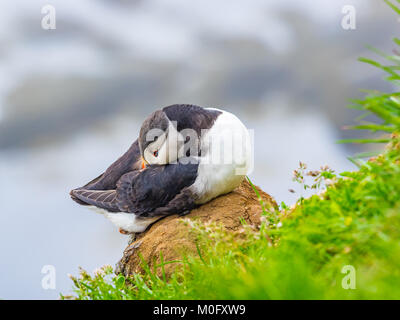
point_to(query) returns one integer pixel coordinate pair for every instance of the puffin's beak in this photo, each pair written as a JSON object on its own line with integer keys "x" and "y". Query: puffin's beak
{"x": 143, "y": 163}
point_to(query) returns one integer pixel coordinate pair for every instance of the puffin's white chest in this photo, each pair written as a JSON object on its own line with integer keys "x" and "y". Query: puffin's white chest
{"x": 225, "y": 158}
{"x": 130, "y": 222}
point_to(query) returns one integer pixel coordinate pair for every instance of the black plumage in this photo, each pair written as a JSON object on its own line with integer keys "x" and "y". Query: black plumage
{"x": 158, "y": 190}
{"x": 191, "y": 116}
{"x": 129, "y": 161}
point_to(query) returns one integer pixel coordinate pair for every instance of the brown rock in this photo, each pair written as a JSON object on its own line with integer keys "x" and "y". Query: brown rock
{"x": 172, "y": 237}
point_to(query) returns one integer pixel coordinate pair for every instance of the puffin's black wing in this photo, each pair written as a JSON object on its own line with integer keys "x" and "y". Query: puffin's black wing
{"x": 103, "y": 199}
{"x": 157, "y": 190}
{"x": 129, "y": 161}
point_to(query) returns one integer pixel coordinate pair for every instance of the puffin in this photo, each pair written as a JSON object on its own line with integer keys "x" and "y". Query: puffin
{"x": 185, "y": 156}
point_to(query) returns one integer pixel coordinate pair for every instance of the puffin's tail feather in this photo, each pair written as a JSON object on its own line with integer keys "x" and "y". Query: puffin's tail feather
{"x": 104, "y": 199}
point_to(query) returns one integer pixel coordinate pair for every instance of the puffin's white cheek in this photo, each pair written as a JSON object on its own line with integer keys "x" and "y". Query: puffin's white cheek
{"x": 162, "y": 157}
{"x": 171, "y": 152}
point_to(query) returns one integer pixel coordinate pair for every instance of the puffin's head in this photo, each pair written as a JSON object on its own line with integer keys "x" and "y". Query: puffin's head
{"x": 158, "y": 140}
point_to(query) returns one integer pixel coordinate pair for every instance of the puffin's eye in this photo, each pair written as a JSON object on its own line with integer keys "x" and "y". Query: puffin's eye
{"x": 155, "y": 153}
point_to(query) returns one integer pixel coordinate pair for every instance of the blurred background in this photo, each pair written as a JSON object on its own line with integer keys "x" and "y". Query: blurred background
{"x": 72, "y": 101}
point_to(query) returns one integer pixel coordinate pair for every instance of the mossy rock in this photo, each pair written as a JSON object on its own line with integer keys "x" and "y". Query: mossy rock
{"x": 171, "y": 236}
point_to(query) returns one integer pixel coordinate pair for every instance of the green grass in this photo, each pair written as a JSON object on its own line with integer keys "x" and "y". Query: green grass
{"x": 298, "y": 252}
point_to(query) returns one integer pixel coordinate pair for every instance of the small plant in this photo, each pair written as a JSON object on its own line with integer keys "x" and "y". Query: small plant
{"x": 317, "y": 180}
{"x": 103, "y": 285}
{"x": 320, "y": 178}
